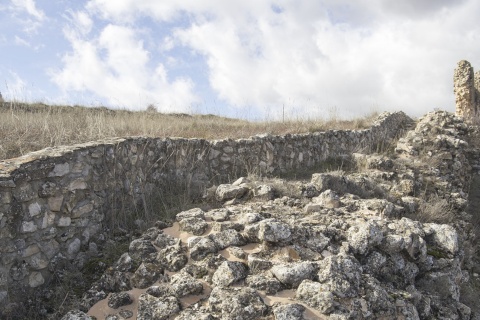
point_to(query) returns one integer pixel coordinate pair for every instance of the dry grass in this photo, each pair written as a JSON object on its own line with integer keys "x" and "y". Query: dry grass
{"x": 29, "y": 127}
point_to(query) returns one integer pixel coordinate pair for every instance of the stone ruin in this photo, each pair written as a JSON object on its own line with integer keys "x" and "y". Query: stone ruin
{"x": 466, "y": 86}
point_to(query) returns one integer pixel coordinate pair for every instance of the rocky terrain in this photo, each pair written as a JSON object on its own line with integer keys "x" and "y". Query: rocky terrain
{"x": 392, "y": 235}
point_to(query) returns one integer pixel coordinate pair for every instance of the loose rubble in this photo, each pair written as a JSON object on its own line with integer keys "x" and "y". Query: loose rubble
{"x": 364, "y": 244}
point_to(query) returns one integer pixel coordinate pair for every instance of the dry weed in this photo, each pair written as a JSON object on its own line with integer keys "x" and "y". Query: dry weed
{"x": 28, "y": 127}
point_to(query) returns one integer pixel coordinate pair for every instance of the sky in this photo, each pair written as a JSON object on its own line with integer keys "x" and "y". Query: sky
{"x": 251, "y": 59}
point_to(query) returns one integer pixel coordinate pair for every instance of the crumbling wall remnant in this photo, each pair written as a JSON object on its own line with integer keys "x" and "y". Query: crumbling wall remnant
{"x": 466, "y": 86}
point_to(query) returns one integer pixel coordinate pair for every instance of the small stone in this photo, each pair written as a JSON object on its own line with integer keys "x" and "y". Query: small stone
{"x": 35, "y": 279}
{"x": 294, "y": 273}
{"x": 76, "y": 315}
{"x": 152, "y": 308}
{"x": 229, "y": 272}
{"x": 183, "y": 284}
{"x": 314, "y": 295}
{"x": 146, "y": 275}
{"x": 291, "y": 311}
{"x": 29, "y": 227}
{"x": 192, "y": 213}
{"x": 117, "y": 300}
{"x": 64, "y": 221}
{"x": 196, "y": 226}
{"x": 227, "y": 192}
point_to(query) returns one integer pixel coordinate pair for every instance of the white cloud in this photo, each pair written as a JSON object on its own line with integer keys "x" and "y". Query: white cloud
{"x": 116, "y": 67}
{"x": 308, "y": 54}
{"x": 29, "y": 7}
{"x": 27, "y": 14}
{"x": 21, "y": 42}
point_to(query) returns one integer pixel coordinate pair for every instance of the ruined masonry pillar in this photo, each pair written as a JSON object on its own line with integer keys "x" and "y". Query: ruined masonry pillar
{"x": 464, "y": 88}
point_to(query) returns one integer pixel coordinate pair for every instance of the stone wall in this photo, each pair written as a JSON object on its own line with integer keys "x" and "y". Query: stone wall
{"x": 55, "y": 204}
{"x": 466, "y": 86}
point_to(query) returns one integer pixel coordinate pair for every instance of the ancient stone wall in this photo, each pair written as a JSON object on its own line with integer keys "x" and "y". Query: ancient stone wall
{"x": 466, "y": 86}
{"x": 55, "y": 204}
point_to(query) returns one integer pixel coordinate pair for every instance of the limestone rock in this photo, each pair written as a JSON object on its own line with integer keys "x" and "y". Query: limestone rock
{"x": 314, "y": 294}
{"x": 227, "y": 238}
{"x": 237, "y": 303}
{"x": 227, "y": 192}
{"x": 273, "y": 231}
{"x": 192, "y": 213}
{"x": 291, "y": 311}
{"x": 364, "y": 236}
{"x": 340, "y": 275}
{"x": 264, "y": 283}
{"x": 77, "y": 315}
{"x": 202, "y": 248}
{"x": 328, "y": 199}
{"x": 146, "y": 275}
{"x": 117, "y": 300}
{"x": 194, "y": 225}
{"x": 151, "y": 308}
{"x": 183, "y": 284}
{"x": 140, "y": 250}
{"x": 228, "y": 273}
{"x": 293, "y": 274}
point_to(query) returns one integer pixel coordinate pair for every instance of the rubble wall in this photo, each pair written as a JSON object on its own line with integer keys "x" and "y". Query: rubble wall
{"x": 55, "y": 204}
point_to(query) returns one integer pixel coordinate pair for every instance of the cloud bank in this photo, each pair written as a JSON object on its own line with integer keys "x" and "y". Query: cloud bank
{"x": 306, "y": 56}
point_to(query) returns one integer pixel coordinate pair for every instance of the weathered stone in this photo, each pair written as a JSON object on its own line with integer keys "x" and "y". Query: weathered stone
{"x": 34, "y": 209}
{"x": 202, "y": 248}
{"x": 442, "y": 236}
{"x": 74, "y": 247}
{"x": 140, "y": 249}
{"x": 192, "y": 213}
{"x": 293, "y": 274}
{"x": 227, "y": 192}
{"x": 60, "y": 170}
{"x": 228, "y": 273}
{"x": 227, "y": 238}
{"x": 172, "y": 258}
{"x": 23, "y": 193}
{"x": 183, "y": 284}
{"x": 273, "y": 231}
{"x": 29, "y": 227}
{"x": 328, "y": 199}
{"x": 82, "y": 210}
{"x": 364, "y": 236}
{"x": 146, "y": 275}
{"x": 267, "y": 284}
{"x": 76, "y": 315}
{"x": 64, "y": 222}
{"x": 237, "y": 303}
{"x": 219, "y": 215}
{"x": 77, "y": 184}
{"x": 340, "y": 275}
{"x": 196, "y": 226}
{"x": 151, "y": 308}
{"x": 117, "y": 300}
{"x": 55, "y": 203}
{"x": 35, "y": 279}
{"x": 257, "y": 264}
{"x": 315, "y": 295}
{"x": 291, "y": 311}
{"x": 464, "y": 89}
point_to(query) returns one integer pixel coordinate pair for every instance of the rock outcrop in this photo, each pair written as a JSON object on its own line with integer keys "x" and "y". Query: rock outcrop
{"x": 389, "y": 239}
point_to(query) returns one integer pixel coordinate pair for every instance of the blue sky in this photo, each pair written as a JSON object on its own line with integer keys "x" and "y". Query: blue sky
{"x": 251, "y": 59}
